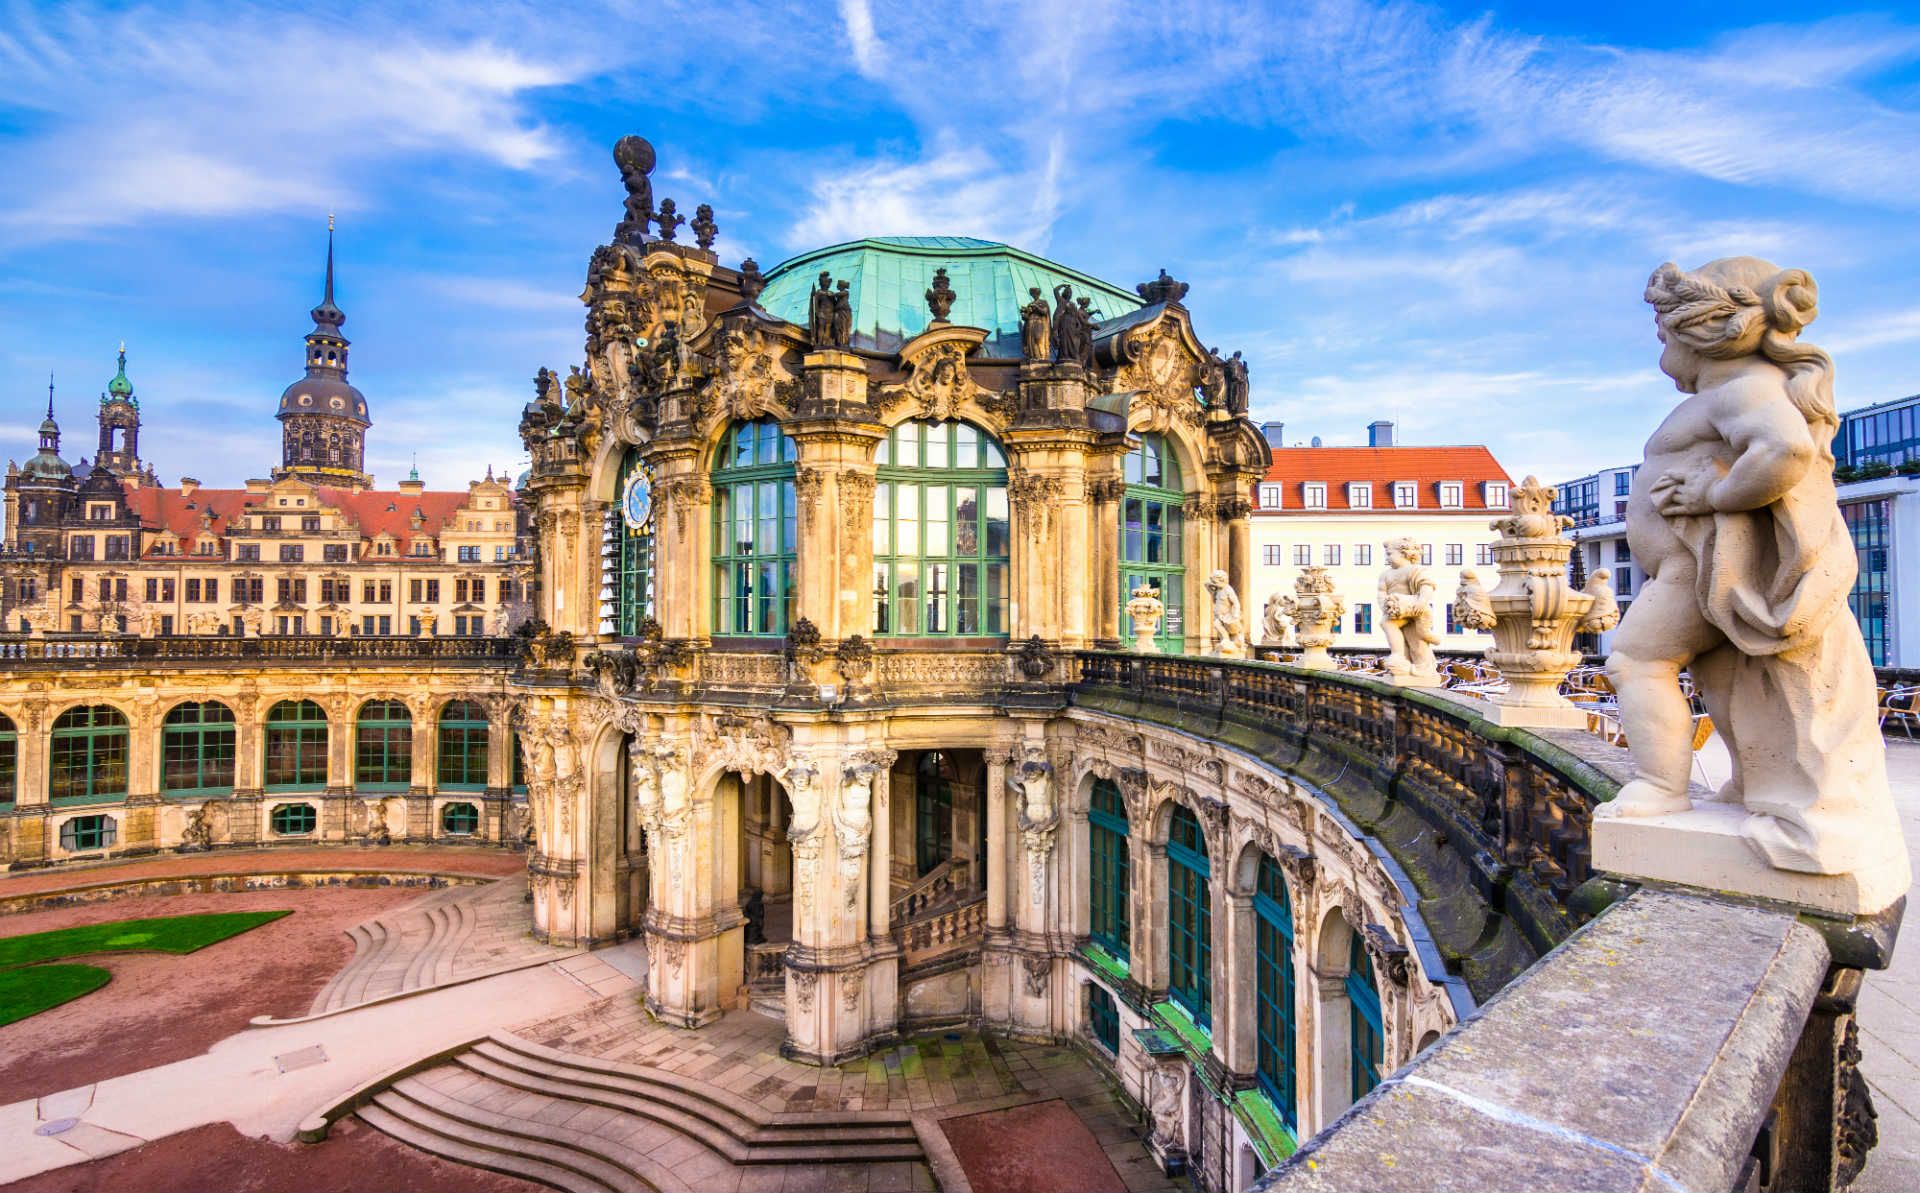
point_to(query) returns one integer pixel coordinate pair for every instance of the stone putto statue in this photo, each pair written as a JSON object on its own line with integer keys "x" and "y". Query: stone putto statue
{"x": 1472, "y": 607}
{"x": 1229, "y": 634}
{"x": 1406, "y": 616}
{"x": 1036, "y": 330}
{"x": 634, "y": 157}
{"x": 1276, "y": 627}
{"x": 1145, "y": 610}
{"x": 1749, "y": 563}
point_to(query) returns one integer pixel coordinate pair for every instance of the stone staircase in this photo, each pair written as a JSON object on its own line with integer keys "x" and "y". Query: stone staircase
{"x": 582, "y": 1123}
{"x": 453, "y": 934}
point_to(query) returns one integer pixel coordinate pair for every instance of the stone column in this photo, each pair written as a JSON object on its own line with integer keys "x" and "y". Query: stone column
{"x": 1236, "y": 1023}
{"x": 996, "y": 876}
{"x": 423, "y": 739}
{"x": 695, "y": 930}
{"x": 1103, "y": 530}
{"x": 838, "y": 998}
{"x": 880, "y": 861}
{"x": 340, "y": 732}
{"x": 249, "y": 748}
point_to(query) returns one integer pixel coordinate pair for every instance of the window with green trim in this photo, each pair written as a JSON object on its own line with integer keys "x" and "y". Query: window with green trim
{"x": 1110, "y": 868}
{"x": 1103, "y": 1016}
{"x": 293, "y": 820}
{"x": 89, "y": 832}
{"x": 754, "y": 536}
{"x": 1274, "y": 991}
{"x": 1364, "y": 1033}
{"x": 383, "y": 746}
{"x": 629, "y": 552}
{"x": 932, "y": 811}
{"x": 1152, "y": 535}
{"x": 462, "y": 764}
{"x": 1189, "y": 918}
{"x": 940, "y": 532}
{"x": 197, "y": 748}
{"x": 296, "y": 737}
{"x": 519, "y": 764}
{"x": 9, "y": 761}
{"x": 460, "y": 820}
{"x": 88, "y": 759}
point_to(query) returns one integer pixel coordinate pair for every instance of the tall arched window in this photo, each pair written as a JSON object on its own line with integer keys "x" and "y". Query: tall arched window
{"x": 629, "y": 547}
{"x": 1274, "y": 994}
{"x": 1109, "y": 870}
{"x": 940, "y": 532}
{"x": 1364, "y": 1032}
{"x": 754, "y": 538}
{"x": 1189, "y": 918}
{"x": 197, "y": 745}
{"x": 296, "y": 746}
{"x": 9, "y": 761}
{"x": 383, "y": 746}
{"x": 89, "y": 755}
{"x": 462, "y": 764}
{"x": 1152, "y": 534}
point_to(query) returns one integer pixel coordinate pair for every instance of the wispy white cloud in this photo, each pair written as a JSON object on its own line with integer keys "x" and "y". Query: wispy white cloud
{"x": 1893, "y": 327}
{"x": 956, "y": 190}
{"x": 858, "y": 16}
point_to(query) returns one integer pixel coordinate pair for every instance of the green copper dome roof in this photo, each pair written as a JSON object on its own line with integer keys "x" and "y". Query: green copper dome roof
{"x": 120, "y": 387}
{"x": 890, "y": 276}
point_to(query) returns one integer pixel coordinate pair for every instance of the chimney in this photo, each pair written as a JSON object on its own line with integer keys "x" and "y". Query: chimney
{"x": 1275, "y": 434}
{"x": 188, "y": 485}
{"x": 413, "y": 486}
{"x": 1380, "y": 434}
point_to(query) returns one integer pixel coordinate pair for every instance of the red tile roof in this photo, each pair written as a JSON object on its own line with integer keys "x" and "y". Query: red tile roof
{"x": 161, "y": 509}
{"x": 1336, "y": 467}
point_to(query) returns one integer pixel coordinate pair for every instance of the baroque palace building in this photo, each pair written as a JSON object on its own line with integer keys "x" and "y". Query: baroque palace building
{"x": 308, "y": 657}
{"x": 822, "y": 551}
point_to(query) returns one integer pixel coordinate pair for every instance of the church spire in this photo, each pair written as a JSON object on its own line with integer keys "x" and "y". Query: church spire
{"x": 328, "y": 317}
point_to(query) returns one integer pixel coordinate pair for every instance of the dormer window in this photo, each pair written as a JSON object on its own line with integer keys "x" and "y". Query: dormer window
{"x": 1313, "y": 495}
{"x": 1450, "y": 495}
{"x": 1360, "y": 495}
{"x": 1269, "y": 497}
{"x": 1406, "y": 495}
{"x": 1496, "y": 495}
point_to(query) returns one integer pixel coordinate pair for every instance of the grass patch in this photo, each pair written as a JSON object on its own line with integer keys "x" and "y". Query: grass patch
{"x": 29, "y": 991}
{"x": 166, "y": 934}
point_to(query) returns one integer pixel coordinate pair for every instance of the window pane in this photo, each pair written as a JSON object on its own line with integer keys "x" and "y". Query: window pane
{"x": 936, "y": 520}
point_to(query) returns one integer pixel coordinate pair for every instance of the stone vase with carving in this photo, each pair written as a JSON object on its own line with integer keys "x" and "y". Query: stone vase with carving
{"x": 1537, "y": 611}
{"x": 1145, "y": 609}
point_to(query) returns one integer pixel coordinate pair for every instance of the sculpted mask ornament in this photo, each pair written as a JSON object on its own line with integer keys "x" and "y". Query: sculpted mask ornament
{"x": 1229, "y": 631}
{"x": 1749, "y": 563}
{"x": 1406, "y": 616}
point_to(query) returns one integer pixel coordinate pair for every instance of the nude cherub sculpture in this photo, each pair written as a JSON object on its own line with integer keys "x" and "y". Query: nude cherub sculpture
{"x": 1406, "y": 606}
{"x": 1748, "y": 564}
{"x": 1229, "y": 633}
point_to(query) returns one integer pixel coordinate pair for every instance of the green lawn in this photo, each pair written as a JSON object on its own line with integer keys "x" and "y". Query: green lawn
{"x": 27, "y": 987}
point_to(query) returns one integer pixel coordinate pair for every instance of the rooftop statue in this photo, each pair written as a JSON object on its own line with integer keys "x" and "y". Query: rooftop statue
{"x": 752, "y": 281}
{"x": 704, "y": 229}
{"x": 820, "y": 312}
{"x": 1161, "y": 289}
{"x": 843, "y": 315}
{"x": 1239, "y": 393}
{"x": 1036, "y": 337}
{"x": 1748, "y": 561}
{"x": 1072, "y": 333}
{"x": 940, "y": 296}
{"x": 634, "y": 156}
{"x": 668, "y": 219}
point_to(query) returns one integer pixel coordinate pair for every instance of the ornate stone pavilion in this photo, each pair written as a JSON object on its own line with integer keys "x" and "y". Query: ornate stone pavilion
{"x": 817, "y": 545}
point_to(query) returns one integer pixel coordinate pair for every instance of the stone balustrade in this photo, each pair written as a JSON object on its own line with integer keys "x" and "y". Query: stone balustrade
{"x": 57, "y": 653}
{"x": 949, "y": 931}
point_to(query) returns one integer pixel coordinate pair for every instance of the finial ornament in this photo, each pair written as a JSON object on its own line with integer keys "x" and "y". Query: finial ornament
{"x": 1162, "y": 289}
{"x": 940, "y": 296}
{"x": 704, "y": 229}
{"x": 752, "y": 281}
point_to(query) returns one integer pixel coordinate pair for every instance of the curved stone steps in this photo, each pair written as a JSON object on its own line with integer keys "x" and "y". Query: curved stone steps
{"x": 367, "y": 938}
{"x": 425, "y": 943}
{"x": 466, "y": 1141}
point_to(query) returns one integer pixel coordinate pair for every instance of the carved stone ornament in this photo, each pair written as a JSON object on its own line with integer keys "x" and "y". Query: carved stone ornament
{"x": 1038, "y": 970}
{"x": 939, "y": 385}
{"x": 1229, "y": 628}
{"x": 853, "y": 658}
{"x": 751, "y": 378}
{"x": 804, "y": 983}
{"x": 940, "y": 296}
{"x": 1035, "y": 661}
{"x": 802, "y": 650}
{"x": 853, "y": 824}
{"x": 1856, "y": 1130}
{"x": 752, "y": 281}
{"x": 1314, "y": 609}
{"x": 1161, "y": 364}
{"x": 1387, "y": 952}
{"x": 1406, "y": 616}
{"x": 1276, "y": 628}
{"x": 1145, "y": 610}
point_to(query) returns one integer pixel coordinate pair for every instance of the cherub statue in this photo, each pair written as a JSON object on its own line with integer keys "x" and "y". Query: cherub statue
{"x": 1472, "y": 606}
{"x": 1749, "y": 563}
{"x": 1277, "y": 621}
{"x": 1604, "y": 613}
{"x": 1229, "y": 635}
{"x": 1406, "y": 607}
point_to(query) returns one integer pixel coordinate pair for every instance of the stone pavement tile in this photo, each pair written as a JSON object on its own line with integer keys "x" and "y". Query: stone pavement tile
{"x": 680, "y": 1149}
{"x": 923, "y": 1181}
{"x": 762, "y": 1178}
{"x": 826, "y": 1178}
{"x": 896, "y": 1177}
{"x": 591, "y": 1118}
{"x": 558, "y": 1112}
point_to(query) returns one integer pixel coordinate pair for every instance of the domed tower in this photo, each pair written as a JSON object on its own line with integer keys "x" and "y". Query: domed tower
{"x": 41, "y": 493}
{"x": 120, "y": 425}
{"x": 323, "y": 419}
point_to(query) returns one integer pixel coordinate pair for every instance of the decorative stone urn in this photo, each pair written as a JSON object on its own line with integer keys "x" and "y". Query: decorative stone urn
{"x": 1536, "y": 612}
{"x": 1314, "y": 609}
{"x": 1145, "y": 610}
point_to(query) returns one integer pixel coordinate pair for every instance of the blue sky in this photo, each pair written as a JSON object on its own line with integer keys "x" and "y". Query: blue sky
{"x": 1442, "y": 215}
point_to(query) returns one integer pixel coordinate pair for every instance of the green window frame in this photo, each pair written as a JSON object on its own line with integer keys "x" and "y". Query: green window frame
{"x": 1364, "y": 1034}
{"x": 519, "y": 764}
{"x": 198, "y": 745}
{"x": 755, "y": 537}
{"x": 383, "y": 746}
{"x": 293, "y": 820}
{"x": 1274, "y": 1053}
{"x": 9, "y": 760}
{"x": 89, "y": 832}
{"x": 88, "y": 760}
{"x": 932, "y": 812}
{"x": 1103, "y": 1016}
{"x": 1189, "y": 918}
{"x": 460, "y": 820}
{"x": 941, "y": 533}
{"x": 296, "y": 747}
{"x": 1153, "y": 535}
{"x": 461, "y": 764}
{"x": 630, "y": 548}
{"x": 1110, "y": 869}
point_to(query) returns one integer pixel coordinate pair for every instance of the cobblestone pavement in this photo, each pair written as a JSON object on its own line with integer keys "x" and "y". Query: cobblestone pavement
{"x": 1890, "y": 1013}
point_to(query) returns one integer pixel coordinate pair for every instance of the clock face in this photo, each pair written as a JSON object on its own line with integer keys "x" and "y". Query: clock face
{"x": 636, "y": 504}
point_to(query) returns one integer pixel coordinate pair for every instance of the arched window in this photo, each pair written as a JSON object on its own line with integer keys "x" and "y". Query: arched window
{"x": 463, "y": 747}
{"x": 1152, "y": 538}
{"x": 383, "y": 746}
{"x": 1109, "y": 869}
{"x": 296, "y": 746}
{"x": 629, "y": 547}
{"x": 754, "y": 538}
{"x": 1364, "y": 1032}
{"x": 1189, "y": 918}
{"x": 9, "y": 761}
{"x": 460, "y": 820}
{"x": 940, "y": 532}
{"x": 1274, "y": 995}
{"x": 89, "y": 759}
{"x": 197, "y": 749}
{"x": 293, "y": 820}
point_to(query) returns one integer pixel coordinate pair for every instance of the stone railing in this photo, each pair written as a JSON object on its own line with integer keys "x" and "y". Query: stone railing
{"x": 951, "y": 930}
{"x": 938, "y": 885}
{"x": 1490, "y": 823}
{"x": 59, "y": 652}
{"x": 767, "y": 963}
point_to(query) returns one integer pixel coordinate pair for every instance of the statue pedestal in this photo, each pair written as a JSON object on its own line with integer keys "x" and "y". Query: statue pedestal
{"x": 1416, "y": 681}
{"x": 1533, "y": 716}
{"x": 1702, "y": 847}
